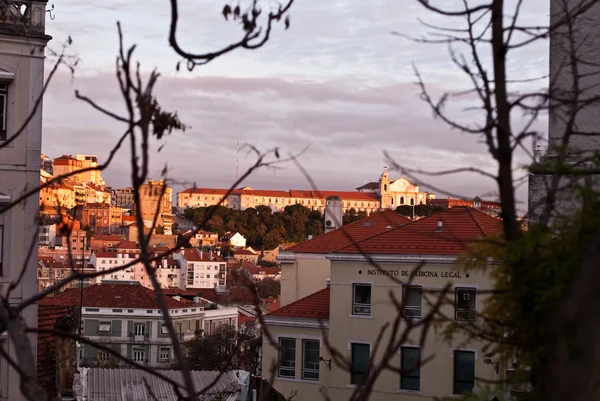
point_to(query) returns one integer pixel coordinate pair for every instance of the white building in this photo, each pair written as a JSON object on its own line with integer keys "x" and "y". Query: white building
{"x": 23, "y": 42}
{"x": 126, "y": 317}
{"x": 168, "y": 272}
{"x": 234, "y": 239}
{"x": 92, "y": 176}
{"x": 200, "y": 269}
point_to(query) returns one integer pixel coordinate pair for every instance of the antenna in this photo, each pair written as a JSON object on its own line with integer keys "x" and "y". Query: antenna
{"x": 237, "y": 161}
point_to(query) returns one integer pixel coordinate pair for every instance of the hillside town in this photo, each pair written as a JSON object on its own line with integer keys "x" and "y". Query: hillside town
{"x": 123, "y": 280}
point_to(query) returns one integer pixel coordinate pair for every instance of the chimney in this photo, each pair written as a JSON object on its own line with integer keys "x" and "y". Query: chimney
{"x": 328, "y": 282}
{"x": 440, "y": 226}
{"x": 201, "y": 253}
{"x": 211, "y": 255}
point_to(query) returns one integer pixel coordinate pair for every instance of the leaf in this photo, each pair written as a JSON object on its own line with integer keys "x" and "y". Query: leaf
{"x": 226, "y": 11}
{"x": 287, "y": 22}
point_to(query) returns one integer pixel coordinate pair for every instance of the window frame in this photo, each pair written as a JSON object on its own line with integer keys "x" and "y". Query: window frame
{"x": 316, "y": 362}
{"x": 139, "y": 351}
{"x": 406, "y": 307}
{"x": 465, "y": 314}
{"x": 353, "y": 372}
{"x": 412, "y": 373}
{"x": 454, "y": 375}
{"x": 358, "y": 304}
{"x": 161, "y": 353}
{"x": 142, "y": 331}
{"x": 164, "y": 329}
{"x": 4, "y": 93}
{"x": 104, "y": 324}
{"x": 280, "y": 367}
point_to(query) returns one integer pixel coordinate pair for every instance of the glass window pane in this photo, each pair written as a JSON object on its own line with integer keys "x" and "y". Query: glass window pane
{"x": 310, "y": 359}
{"x": 362, "y": 294}
{"x": 410, "y": 368}
{"x": 410, "y": 383}
{"x": 360, "y": 362}
{"x": 287, "y": 357}
{"x": 464, "y": 371}
{"x": 412, "y": 296}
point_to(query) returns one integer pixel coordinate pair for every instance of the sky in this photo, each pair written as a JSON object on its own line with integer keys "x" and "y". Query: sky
{"x": 338, "y": 86}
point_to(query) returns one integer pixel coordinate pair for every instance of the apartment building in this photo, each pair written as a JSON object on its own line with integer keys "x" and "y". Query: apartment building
{"x": 305, "y": 267}
{"x": 50, "y": 272}
{"x": 351, "y": 311}
{"x": 92, "y": 176}
{"x": 125, "y": 316}
{"x": 67, "y": 164}
{"x": 246, "y": 254}
{"x": 200, "y": 269}
{"x": 122, "y": 197}
{"x": 102, "y": 218}
{"x": 102, "y": 242}
{"x": 23, "y": 41}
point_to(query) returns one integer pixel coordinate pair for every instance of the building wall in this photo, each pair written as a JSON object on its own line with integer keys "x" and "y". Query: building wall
{"x": 20, "y": 170}
{"x": 437, "y": 374}
{"x": 150, "y": 195}
{"x": 307, "y": 389}
{"x": 306, "y": 275}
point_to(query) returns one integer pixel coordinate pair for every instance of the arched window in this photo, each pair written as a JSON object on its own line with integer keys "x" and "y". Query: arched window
{"x": 412, "y": 202}
{"x": 392, "y": 201}
{"x": 385, "y": 187}
{"x": 402, "y": 200}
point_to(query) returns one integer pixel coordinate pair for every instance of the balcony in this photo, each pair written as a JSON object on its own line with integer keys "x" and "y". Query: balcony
{"x": 139, "y": 338}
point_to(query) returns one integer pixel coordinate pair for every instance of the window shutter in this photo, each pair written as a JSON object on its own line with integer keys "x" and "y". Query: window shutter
{"x": 149, "y": 329}
{"x": 90, "y": 327}
{"x": 129, "y": 328}
{"x": 129, "y": 352}
{"x": 116, "y": 328}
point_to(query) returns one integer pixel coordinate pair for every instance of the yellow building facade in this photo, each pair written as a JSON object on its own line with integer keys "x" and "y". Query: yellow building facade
{"x": 325, "y": 343}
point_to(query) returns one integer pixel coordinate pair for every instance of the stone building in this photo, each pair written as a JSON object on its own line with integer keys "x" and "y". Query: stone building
{"x": 153, "y": 204}
{"x": 23, "y": 41}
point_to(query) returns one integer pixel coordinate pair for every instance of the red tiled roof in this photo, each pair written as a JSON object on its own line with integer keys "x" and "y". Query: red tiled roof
{"x": 125, "y": 245}
{"x": 243, "y": 319}
{"x": 111, "y": 295}
{"x": 245, "y": 252}
{"x": 460, "y": 227}
{"x": 313, "y": 306}
{"x": 100, "y": 237}
{"x": 268, "y": 270}
{"x": 128, "y": 218}
{"x": 113, "y": 254}
{"x": 215, "y": 191}
{"x": 46, "y": 361}
{"x": 194, "y": 255}
{"x": 351, "y": 233}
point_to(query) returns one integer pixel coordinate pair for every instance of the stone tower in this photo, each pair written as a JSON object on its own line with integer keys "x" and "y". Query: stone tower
{"x": 22, "y": 41}
{"x": 384, "y": 190}
{"x": 333, "y": 213}
{"x": 585, "y": 140}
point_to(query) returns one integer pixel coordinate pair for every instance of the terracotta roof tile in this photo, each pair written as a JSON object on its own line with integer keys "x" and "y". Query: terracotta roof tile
{"x": 125, "y": 245}
{"x": 108, "y": 295}
{"x": 245, "y": 252}
{"x": 460, "y": 227}
{"x": 313, "y": 306}
{"x": 194, "y": 255}
{"x": 100, "y": 237}
{"x": 351, "y": 233}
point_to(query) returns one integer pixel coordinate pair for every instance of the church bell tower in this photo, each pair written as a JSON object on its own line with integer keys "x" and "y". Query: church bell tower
{"x": 385, "y": 196}
{"x": 23, "y": 41}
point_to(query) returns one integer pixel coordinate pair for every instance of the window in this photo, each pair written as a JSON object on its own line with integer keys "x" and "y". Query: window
{"x": 104, "y": 327}
{"x": 138, "y": 355}
{"x": 360, "y": 363}
{"x": 412, "y": 304}
{"x": 464, "y": 371}
{"x": 410, "y": 368}
{"x": 164, "y": 329}
{"x": 139, "y": 329}
{"x": 287, "y": 357}
{"x": 466, "y": 303}
{"x": 164, "y": 354}
{"x": 3, "y": 105}
{"x": 103, "y": 356}
{"x": 310, "y": 359}
{"x": 361, "y": 304}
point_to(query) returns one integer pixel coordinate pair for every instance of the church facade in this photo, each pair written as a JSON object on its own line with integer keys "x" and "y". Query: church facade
{"x": 369, "y": 198}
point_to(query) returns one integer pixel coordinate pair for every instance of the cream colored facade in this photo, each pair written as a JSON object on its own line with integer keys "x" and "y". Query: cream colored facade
{"x": 91, "y": 176}
{"x": 302, "y": 274}
{"x": 150, "y": 195}
{"x": 369, "y": 198}
{"x": 23, "y": 41}
{"x": 344, "y": 328}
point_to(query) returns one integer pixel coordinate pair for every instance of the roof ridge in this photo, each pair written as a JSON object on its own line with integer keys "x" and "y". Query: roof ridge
{"x": 299, "y": 300}
{"x": 350, "y": 224}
